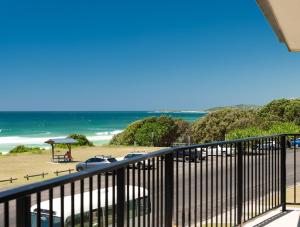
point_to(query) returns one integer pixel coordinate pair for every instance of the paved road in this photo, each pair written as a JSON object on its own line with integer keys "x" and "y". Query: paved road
{"x": 192, "y": 188}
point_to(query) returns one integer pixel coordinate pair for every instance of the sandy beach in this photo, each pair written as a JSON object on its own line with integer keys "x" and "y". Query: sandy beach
{"x": 19, "y": 165}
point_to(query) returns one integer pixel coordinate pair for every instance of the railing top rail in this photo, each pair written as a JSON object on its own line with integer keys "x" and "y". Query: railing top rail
{"x": 52, "y": 183}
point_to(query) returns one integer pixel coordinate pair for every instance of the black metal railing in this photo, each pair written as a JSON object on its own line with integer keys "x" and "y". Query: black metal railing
{"x": 221, "y": 183}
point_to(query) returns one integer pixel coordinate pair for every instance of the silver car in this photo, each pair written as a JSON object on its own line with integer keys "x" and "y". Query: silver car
{"x": 145, "y": 164}
{"x": 94, "y": 162}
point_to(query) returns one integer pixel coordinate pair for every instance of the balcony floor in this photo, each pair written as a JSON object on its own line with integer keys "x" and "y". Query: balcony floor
{"x": 290, "y": 218}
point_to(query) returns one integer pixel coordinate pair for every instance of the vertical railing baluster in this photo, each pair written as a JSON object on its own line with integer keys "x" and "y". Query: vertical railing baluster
{"x": 106, "y": 213}
{"x": 162, "y": 190}
{"x": 128, "y": 202}
{"x": 99, "y": 209}
{"x": 62, "y": 205}
{"x": 201, "y": 185}
{"x": 196, "y": 157}
{"x": 114, "y": 198}
{"x": 177, "y": 187}
{"x": 144, "y": 193}
{"x": 82, "y": 203}
{"x": 120, "y": 197}
{"x": 90, "y": 201}
{"x": 50, "y": 207}
{"x": 6, "y": 214}
{"x": 283, "y": 172}
{"x": 38, "y": 212}
{"x": 149, "y": 192}
{"x": 295, "y": 159}
{"x": 212, "y": 184}
{"x": 217, "y": 184}
{"x": 183, "y": 188}
{"x": 189, "y": 188}
{"x": 72, "y": 204}
{"x": 169, "y": 190}
{"x": 23, "y": 211}
{"x": 239, "y": 182}
{"x": 158, "y": 170}
{"x": 153, "y": 193}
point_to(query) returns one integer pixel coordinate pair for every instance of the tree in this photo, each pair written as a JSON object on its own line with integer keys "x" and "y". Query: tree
{"x": 215, "y": 125}
{"x": 282, "y": 110}
{"x": 157, "y": 131}
{"x": 275, "y": 128}
{"x": 81, "y": 140}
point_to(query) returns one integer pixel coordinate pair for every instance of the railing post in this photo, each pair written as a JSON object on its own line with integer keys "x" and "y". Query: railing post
{"x": 169, "y": 190}
{"x": 120, "y": 197}
{"x": 283, "y": 171}
{"x": 23, "y": 211}
{"x": 240, "y": 180}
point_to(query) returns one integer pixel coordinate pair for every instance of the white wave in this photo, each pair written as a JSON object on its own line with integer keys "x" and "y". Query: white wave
{"x": 109, "y": 133}
{"x": 8, "y": 142}
{"x": 104, "y": 135}
{"x": 18, "y": 140}
{"x": 178, "y": 112}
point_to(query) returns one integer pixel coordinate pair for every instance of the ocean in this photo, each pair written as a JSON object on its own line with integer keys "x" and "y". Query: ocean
{"x": 34, "y": 128}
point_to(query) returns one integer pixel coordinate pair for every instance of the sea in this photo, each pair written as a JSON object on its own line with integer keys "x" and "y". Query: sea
{"x": 34, "y": 128}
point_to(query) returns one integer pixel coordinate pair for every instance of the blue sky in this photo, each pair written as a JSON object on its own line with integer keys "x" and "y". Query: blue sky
{"x": 140, "y": 55}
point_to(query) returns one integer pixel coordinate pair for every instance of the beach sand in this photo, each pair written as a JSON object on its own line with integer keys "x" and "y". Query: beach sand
{"x": 19, "y": 165}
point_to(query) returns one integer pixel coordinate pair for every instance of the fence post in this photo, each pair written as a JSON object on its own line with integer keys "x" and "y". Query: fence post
{"x": 23, "y": 211}
{"x": 240, "y": 180}
{"x": 169, "y": 190}
{"x": 283, "y": 171}
{"x": 120, "y": 197}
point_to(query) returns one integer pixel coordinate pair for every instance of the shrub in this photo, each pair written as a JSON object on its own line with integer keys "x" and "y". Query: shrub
{"x": 157, "y": 131}
{"x": 215, "y": 125}
{"x": 183, "y": 131}
{"x": 23, "y": 149}
{"x": 275, "y": 128}
{"x": 81, "y": 140}
{"x": 127, "y": 137}
{"x": 283, "y": 110}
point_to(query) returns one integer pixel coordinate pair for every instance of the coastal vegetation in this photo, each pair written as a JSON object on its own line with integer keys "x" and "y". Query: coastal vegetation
{"x": 154, "y": 131}
{"x": 278, "y": 116}
{"x": 239, "y": 106}
{"x": 215, "y": 125}
{"x": 24, "y": 149}
{"x": 81, "y": 140}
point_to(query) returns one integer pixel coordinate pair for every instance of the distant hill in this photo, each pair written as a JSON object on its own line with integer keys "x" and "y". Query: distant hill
{"x": 240, "y": 106}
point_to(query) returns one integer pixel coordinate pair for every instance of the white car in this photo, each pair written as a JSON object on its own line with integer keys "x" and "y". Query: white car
{"x": 94, "y": 162}
{"x": 220, "y": 151}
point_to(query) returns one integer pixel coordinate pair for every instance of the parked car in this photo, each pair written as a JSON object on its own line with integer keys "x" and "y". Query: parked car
{"x": 220, "y": 150}
{"x": 295, "y": 142}
{"x": 265, "y": 146}
{"x": 193, "y": 155}
{"x": 132, "y": 155}
{"x": 94, "y": 162}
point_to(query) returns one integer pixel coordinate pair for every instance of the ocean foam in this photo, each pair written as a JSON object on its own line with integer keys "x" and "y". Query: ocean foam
{"x": 23, "y": 140}
{"x": 104, "y": 136}
{"x": 40, "y": 141}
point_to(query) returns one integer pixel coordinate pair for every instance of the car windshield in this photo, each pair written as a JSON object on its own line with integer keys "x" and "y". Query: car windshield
{"x": 133, "y": 155}
{"x": 111, "y": 159}
{"x": 95, "y": 160}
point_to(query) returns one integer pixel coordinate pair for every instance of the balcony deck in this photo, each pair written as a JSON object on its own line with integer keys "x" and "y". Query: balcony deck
{"x": 276, "y": 218}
